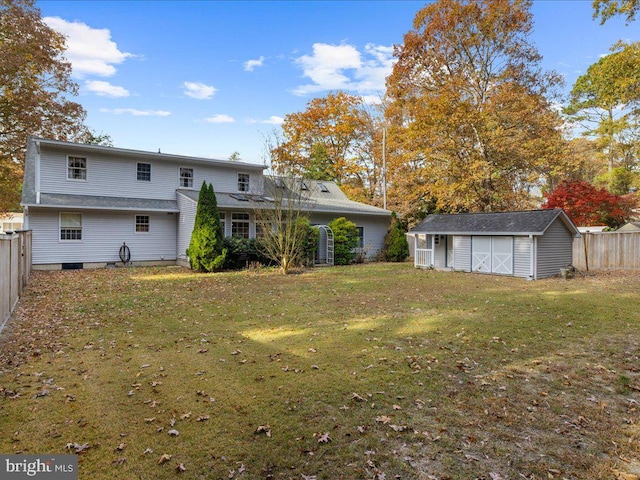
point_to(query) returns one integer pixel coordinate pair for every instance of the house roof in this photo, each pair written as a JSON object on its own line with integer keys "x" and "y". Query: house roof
{"x": 86, "y": 148}
{"x": 92, "y": 202}
{"x": 530, "y": 222}
{"x": 319, "y": 197}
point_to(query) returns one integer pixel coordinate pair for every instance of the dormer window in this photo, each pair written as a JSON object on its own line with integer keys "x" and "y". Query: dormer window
{"x": 243, "y": 182}
{"x": 323, "y": 188}
{"x": 76, "y": 168}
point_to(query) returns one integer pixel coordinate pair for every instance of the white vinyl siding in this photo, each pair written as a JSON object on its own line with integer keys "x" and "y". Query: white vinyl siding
{"x": 554, "y": 250}
{"x": 185, "y": 224}
{"x": 103, "y": 233}
{"x": 462, "y": 255}
{"x": 375, "y": 228}
{"x": 522, "y": 256}
{"x": 115, "y": 176}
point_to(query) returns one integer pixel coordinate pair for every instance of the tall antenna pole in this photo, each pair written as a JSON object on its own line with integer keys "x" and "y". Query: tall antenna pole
{"x": 384, "y": 168}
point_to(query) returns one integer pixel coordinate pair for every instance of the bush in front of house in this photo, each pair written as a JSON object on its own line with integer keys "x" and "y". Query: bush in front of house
{"x": 242, "y": 252}
{"x": 396, "y": 247}
{"x": 206, "y": 250}
{"x": 345, "y": 240}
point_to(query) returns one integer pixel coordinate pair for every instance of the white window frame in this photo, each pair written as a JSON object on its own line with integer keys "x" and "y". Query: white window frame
{"x": 77, "y": 169}
{"x": 182, "y": 177}
{"x": 60, "y": 227}
{"x": 141, "y": 224}
{"x": 138, "y": 172}
{"x": 243, "y": 220}
{"x": 223, "y": 221}
{"x": 244, "y": 184}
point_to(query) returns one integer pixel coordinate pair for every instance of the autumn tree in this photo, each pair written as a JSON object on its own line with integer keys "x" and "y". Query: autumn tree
{"x": 472, "y": 123}
{"x": 35, "y": 85}
{"x": 588, "y": 205}
{"x": 606, "y": 9}
{"x": 605, "y": 104}
{"x": 333, "y": 139}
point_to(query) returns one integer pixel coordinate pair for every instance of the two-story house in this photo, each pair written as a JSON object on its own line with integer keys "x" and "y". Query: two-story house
{"x": 83, "y": 202}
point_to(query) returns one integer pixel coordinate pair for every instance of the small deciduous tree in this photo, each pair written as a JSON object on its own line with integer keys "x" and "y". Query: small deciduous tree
{"x": 206, "y": 250}
{"x": 396, "y": 247}
{"x": 283, "y": 229}
{"x": 587, "y": 205}
{"x": 345, "y": 240}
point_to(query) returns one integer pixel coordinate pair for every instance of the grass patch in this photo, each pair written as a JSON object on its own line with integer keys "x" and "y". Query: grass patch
{"x": 370, "y": 371}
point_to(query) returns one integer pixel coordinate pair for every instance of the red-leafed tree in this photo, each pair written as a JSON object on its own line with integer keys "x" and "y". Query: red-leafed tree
{"x": 589, "y": 205}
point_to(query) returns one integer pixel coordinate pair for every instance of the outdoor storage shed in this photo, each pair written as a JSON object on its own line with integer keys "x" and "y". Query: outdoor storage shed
{"x": 530, "y": 244}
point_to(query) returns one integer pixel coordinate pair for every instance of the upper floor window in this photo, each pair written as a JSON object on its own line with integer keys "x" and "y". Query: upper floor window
{"x": 142, "y": 223}
{"x": 186, "y": 177}
{"x": 76, "y": 168}
{"x": 144, "y": 172}
{"x": 70, "y": 226}
{"x": 243, "y": 182}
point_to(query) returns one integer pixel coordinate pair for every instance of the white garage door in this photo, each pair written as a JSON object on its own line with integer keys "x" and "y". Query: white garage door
{"x": 492, "y": 255}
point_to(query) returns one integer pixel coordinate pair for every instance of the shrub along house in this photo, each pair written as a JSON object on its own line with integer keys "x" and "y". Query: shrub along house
{"x": 83, "y": 202}
{"x": 530, "y": 244}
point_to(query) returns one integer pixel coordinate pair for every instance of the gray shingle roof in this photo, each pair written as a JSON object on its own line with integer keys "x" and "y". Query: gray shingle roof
{"x": 332, "y": 201}
{"x": 530, "y": 222}
{"x": 58, "y": 200}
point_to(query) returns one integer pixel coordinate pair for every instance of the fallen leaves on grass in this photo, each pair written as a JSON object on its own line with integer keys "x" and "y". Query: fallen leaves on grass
{"x": 263, "y": 429}
{"x": 77, "y": 448}
{"x": 164, "y": 458}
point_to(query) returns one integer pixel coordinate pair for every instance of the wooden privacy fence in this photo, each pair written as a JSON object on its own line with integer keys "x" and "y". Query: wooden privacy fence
{"x": 15, "y": 268}
{"x": 607, "y": 251}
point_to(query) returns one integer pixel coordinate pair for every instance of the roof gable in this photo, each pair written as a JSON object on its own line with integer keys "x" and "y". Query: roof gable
{"x": 530, "y": 222}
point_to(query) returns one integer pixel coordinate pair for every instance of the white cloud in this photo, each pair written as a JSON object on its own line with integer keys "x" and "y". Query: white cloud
{"x": 199, "y": 91}
{"x": 250, "y": 65}
{"x": 105, "y": 89}
{"x": 90, "y": 50}
{"x": 220, "y": 118}
{"x": 344, "y": 67}
{"x": 137, "y": 113}
{"x": 273, "y": 120}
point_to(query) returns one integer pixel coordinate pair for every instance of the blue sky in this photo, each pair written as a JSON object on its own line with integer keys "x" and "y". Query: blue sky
{"x": 209, "y": 78}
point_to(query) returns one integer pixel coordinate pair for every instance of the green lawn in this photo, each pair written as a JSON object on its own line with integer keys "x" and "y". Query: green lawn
{"x": 375, "y": 371}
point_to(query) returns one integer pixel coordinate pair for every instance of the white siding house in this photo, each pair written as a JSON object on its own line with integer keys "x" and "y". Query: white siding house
{"x": 84, "y": 202}
{"x": 530, "y": 244}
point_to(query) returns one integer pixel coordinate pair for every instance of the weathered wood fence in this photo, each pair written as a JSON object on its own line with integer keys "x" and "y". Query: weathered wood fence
{"x": 15, "y": 268}
{"x": 607, "y": 251}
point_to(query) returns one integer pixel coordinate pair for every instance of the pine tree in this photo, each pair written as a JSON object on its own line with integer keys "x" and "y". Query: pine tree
{"x": 396, "y": 248}
{"x": 206, "y": 250}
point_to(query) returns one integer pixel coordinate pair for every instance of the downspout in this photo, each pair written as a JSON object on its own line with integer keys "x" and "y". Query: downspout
{"x": 36, "y": 166}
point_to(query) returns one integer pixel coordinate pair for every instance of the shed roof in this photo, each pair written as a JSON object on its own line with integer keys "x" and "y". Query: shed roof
{"x": 529, "y": 222}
